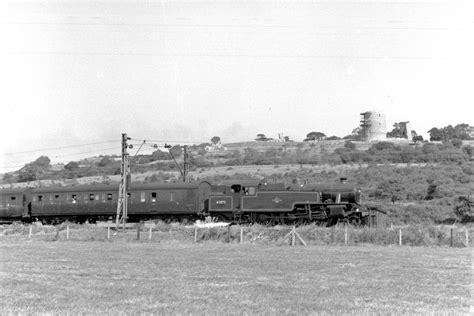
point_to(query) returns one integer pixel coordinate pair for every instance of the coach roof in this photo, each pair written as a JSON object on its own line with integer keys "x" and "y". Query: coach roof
{"x": 115, "y": 187}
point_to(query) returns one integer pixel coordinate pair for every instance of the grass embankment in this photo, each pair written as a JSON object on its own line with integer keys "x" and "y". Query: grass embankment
{"x": 216, "y": 278}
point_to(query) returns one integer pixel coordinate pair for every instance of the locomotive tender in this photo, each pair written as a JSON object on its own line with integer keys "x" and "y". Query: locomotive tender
{"x": 242, "y": 202}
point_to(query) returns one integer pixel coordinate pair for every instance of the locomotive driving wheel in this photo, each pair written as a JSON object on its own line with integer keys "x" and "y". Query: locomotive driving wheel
{"x": 355, "y": 221}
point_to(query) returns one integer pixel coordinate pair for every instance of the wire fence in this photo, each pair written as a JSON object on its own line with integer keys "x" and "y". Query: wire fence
{"x": 447, "y": 236}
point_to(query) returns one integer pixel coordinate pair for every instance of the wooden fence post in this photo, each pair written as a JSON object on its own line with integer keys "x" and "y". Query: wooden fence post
{"x": 467, "y": 238}
{"x": 228, "y": 234}
{"x": 241, "y": 234}
{"x": 195, "y": 233}
{"x": 293, "y": 236}
{"x": 345, "y": 234}
{"x": 149, "y": 233}
{"x": 108, "y": 232}
{"x": 57, "y": 233}
{"x": 451, "y": 242}
{"x": 67, "y": 232}
{"x": 400, "y": 237}
{"x": 31, "y": 232}
{"x": 139, "y": 226}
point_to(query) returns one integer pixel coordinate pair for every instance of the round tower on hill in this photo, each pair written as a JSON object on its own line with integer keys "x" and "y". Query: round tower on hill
{"x": 373, "y": 126}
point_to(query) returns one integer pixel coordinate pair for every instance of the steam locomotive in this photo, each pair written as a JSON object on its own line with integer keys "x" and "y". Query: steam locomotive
{"x": 237, "y": 201}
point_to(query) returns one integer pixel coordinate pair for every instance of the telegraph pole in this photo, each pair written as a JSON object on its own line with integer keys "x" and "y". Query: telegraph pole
{"x": 186, "y": 163}
{"x": 124, "y": 181}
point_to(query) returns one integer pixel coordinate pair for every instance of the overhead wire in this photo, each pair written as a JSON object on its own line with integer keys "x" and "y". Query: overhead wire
{"x": 153, "y": 146}
{"x": 61, "y": 147}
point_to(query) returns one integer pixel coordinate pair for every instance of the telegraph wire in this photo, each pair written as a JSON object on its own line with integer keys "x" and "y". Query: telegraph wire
{"x": 61, "y": 156}
{"x": 168, "y": 141}
{"x": 268, "y": 56}
{"x": 241, "y": 26}
{"x": 62, "y": 147}
{"x": 154, "y": 145}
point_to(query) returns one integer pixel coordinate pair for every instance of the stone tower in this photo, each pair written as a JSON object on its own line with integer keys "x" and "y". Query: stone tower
{"x": 373, "y": 126}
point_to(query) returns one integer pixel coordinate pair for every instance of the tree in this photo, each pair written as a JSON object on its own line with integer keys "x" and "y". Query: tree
{"x": 456, "y": 142}
{"x": 176, "y": 150}
{"x": 433, "y": 190}
{"x": 463, "y": 209}
{"x": 72, "y": 165}
{"x": 314, "y": 136}
{"x": 159, "y": 155}
{"x": 435, "y": 134}
{"x": 356, "y": 134}
{"x": 261, "y": 138}
{"x": 105, "y": 161}
{"x": 43, "y": 162}
{"x": 30, "y": 172}
{"x": 33, "y": 170}
{"x": 8, "y": 177}
{"x": 461, "y": 131}
{"x": 447, "y": 133}
{"x": 467, "y": 150}
{"x": 391, "y": 189}
{"x": 417, "y": 138}
{"x": 215, "y": 139}
{"x": 350, "y": 145}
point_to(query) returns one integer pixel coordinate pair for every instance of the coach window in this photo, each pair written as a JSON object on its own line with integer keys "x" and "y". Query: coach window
{"x": 249, "y": 190}
{"x": 142, "y": 197}
{"x": 235, "y": 188}
{"x": 40, "y": 198}
{"x": 56, "y": 196}
{"x": 153, "y": 196}
{"x": 74, "y": 198}
{"x": 109, "y": 196}
{"x": 129, "y": 195}
{"x": 13, "y": 200}
{"x": 91, "y": 197}
{"x": 171, "y": 196}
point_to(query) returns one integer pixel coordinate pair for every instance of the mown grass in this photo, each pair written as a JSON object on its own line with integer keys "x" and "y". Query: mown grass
{"x": 217, "y": 278}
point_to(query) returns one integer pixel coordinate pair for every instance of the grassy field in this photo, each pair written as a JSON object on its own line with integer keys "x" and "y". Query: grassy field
{"x": 217, "y": 278}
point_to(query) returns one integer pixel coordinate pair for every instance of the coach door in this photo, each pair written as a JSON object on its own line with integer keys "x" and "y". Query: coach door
{"x": 204, "y": 190}
{"x": 236, "y": 191}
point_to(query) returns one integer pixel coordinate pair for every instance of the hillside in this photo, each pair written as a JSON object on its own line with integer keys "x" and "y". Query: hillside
{"x": 412, "y": 182}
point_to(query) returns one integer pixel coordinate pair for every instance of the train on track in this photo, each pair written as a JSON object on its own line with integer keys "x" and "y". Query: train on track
{"x": 237, "y": 201}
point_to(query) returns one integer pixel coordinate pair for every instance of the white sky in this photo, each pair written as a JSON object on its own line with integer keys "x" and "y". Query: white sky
{"x": 80, "y": 72}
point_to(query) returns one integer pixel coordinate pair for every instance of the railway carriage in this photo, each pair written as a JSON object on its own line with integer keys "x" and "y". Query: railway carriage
{"x": 145, "y": 201}
{"x": 81, "y": 203}
{"x": 13, "y": 204}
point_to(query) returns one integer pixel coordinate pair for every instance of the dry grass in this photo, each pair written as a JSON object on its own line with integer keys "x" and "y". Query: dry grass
{"x": 412, "y": 235}
{"x": 216, "y": 278}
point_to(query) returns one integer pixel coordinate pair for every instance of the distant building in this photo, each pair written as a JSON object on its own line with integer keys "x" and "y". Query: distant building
{"x": 215, "y": 147}
{"x": 57, "y": 167}
{"x": 405, "y": 130}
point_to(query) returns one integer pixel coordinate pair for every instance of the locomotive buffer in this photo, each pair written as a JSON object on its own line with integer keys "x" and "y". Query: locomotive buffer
{"x": 124, "y": 181}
